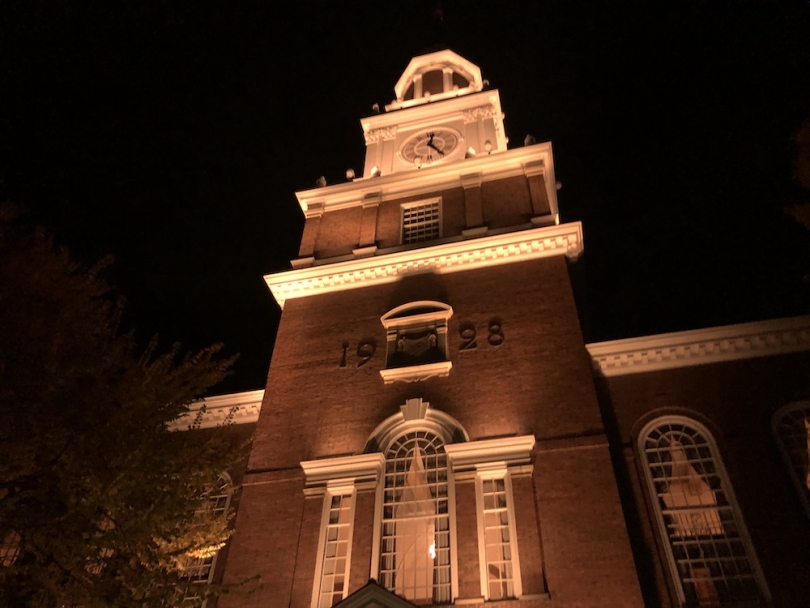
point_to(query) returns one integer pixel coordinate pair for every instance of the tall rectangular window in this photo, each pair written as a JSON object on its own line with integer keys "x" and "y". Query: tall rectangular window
{"x": 198, "y": 571}
{"x": 500, "y": 570}
{"x": 421, "y": 221}
{"x": 334, "y": 553}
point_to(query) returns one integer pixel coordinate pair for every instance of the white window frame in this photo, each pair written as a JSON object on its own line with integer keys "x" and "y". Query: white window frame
{"x": 341, "y": 489}
{"x": 802, "y": 485}
{"x": 494, "y": 459}
{"x": 432, "y": 317}
{"x": 496, "y": 472}
{"x": 339, "y": 476}
{"x": 416, "y": 415}
{"x": 725, "y": 486}
{"x": 405, "y": 207}
{"x": 224, "y": 482}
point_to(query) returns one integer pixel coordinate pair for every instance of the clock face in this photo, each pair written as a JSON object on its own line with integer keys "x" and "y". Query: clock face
{"x": 430, "y": 146}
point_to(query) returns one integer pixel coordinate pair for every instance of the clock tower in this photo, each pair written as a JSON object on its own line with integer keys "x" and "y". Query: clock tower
{"x": 430, "y": 433}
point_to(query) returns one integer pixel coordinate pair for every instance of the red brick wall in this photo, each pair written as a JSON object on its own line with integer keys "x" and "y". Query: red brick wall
{"x": 265, "y": 541}
{"x": 505, "y": 202}
{"x": 469, "y": 574}
{"x": 538, "y": 381}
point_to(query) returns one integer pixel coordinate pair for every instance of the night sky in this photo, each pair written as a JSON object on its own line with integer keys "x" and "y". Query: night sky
{"x": 173, "y": 135}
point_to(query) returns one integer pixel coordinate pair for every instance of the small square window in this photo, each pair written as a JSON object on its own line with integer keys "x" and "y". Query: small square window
{"x": 421, "y": 221}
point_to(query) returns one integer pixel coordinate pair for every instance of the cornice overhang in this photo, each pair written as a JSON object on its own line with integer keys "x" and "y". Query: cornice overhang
{"x": 701, "y": 346}
{"x": 444, "y": 107}
{"x": 234, "y": 408}
{"x": 500, "y": 165}
{"x": 482, "y": 252}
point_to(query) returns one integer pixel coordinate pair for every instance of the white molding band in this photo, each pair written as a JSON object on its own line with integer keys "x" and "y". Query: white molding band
{"x": 522, "y": 245}
{"x": 429, "y": 180}
{"x": 342, "y": 470}
{"x": 506, "y": 451}
{"x": 234, "y": 408}
{"x": 415, "y": 373}
{"x": 701, "y": 346}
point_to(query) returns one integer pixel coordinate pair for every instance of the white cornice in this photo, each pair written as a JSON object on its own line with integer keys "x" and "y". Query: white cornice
{"x": 696, "y": 347}
{"x": 510, "y": 451}
{"x": 522, "y": 245}
{"x": 358, "y": 469}
{"x": 444, "y": 107}
{"x": 509, "y": 163}
{"x": 234, "y": 408}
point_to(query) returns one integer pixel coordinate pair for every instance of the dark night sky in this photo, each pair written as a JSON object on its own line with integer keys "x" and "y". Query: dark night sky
{"x": 173, "y": 136}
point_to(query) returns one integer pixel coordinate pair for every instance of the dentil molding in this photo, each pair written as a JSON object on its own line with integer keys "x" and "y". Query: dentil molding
{"x": 696, "y": 347}
{"x": 235, "y": 408}
{"x": 483, "y": 252}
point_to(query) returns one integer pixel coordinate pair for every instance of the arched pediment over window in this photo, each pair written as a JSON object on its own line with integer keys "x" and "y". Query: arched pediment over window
{"x": 415, "y": 414}
{"x": 416, "y": 341}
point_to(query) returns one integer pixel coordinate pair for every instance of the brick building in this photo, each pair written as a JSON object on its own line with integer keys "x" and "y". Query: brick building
{"x": 434, "y": 421}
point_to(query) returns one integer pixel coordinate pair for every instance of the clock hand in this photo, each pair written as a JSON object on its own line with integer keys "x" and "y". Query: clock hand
{"x": 430, "y": 145}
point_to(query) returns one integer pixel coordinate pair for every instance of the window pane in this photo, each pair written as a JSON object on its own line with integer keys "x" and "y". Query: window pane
{"x": 497, "y": 548}
{"x": 708, "y": 553}
{"x": 415, "y": 544}
{"x": 336, "y": 547}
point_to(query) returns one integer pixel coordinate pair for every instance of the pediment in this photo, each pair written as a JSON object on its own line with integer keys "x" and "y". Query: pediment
{"x": 374, "y": 596}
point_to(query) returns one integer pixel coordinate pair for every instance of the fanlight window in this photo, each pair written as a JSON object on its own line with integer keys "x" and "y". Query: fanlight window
{"x": 706, "y": 540}
{"x": 415, "y": 539}
{"x": 791, "y": 427}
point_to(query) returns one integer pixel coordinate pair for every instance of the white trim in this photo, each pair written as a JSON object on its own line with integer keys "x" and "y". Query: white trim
{"x": 696, "y": 347}
{"x": 416, "y": 412}
{"x": 484, "y": 252}
{"x": 234, "y": 408}
{"x": 727, "y": 488}
{"x": 505, "y": 451}
{"x": 491, "y": 473}
{"x": 416, "y": 373}
{"x": 330, "y": 472}
{"x": 343, "y": 490}
{"x": 430, "y": 179}
{"x": 439, "y": 60}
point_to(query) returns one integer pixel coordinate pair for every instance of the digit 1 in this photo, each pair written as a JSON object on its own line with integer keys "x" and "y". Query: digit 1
{"x": 345, "y": 349}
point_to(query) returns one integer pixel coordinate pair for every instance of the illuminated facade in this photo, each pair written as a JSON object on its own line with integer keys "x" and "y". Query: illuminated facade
{"x": 434, "y": 420}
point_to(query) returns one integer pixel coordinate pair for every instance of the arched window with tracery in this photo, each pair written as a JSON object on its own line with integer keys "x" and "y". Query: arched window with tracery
{"x": 415, "y": 540}
{"x": 710, "y": 555}
{"x": 414, "y": 537}
{"x": 791, "y": 428}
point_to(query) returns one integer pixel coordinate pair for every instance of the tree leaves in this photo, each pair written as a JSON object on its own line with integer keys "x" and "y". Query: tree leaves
{"x": 99, "y": 494}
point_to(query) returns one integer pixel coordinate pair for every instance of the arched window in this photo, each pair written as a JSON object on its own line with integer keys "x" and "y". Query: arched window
{"x": 706, "y": 541}
{"x": 791, "y": 428}
{"x": 415, "y": 538}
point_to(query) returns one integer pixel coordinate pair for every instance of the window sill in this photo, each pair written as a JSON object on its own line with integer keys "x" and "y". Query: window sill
{"x": 415, "y": 373}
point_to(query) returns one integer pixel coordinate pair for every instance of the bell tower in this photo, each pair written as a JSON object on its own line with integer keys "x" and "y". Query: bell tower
{"x": 430, "y": 421}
